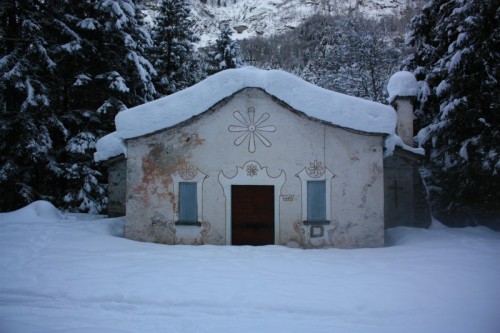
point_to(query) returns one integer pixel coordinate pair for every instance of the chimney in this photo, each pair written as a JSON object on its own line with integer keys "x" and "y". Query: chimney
{"x": 403, "y": 89}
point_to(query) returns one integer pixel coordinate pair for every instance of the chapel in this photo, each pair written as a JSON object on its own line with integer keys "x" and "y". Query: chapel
{"x": 262, "y": 157}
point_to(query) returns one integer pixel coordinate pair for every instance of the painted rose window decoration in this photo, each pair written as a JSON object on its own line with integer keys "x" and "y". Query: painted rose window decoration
{"x": 251, "y": 129}
{"x": 187, "y": 172}
{"x": 316, "y": 169}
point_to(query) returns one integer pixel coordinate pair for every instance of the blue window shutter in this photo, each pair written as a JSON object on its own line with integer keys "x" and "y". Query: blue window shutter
{"x": 188, "y": 203}
{"x": 316, "y": 200}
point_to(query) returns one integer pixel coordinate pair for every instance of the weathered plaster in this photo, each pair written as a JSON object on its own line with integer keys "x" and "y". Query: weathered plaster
{"x": 404, "y": 109}
{"x": 117, "y": 187}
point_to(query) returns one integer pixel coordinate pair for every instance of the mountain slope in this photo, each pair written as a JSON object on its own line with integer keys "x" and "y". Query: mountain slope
{"x": 250, "y": 18}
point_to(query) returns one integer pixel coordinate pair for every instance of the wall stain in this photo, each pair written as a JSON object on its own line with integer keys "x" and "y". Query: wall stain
{"x": 376, "y": 171}
{"x": 160, "y": 163}
{"x": 187, "y": 139}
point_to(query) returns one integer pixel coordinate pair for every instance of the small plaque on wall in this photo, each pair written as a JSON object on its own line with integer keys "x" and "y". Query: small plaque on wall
{"x": 288, "y": 197}
{"x": 317, "y": 231}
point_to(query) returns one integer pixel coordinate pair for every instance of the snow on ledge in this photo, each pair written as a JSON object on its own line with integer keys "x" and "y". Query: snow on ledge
{"x": 395, "y": 141}
{"x": 109, "y": 146}
{"x": 403, "y": 84}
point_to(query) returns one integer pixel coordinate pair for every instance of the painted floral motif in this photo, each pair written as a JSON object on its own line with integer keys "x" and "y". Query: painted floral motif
{"x": 252, "y": 170}
{"x": 187, "y": 172}
{"x": 316, "y": 169}
{"x": 251, "y": 129}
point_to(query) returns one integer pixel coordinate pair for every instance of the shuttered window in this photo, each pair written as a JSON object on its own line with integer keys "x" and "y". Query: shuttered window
{"x": 316, "y": 201}
{"x": 188, "y": 202}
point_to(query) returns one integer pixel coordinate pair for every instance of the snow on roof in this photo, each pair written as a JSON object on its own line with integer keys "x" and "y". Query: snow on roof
{"x": 325, "y": 105}
{"x": 402, "y": 84}
{"x": 109, "y": 146}
{"x": 338, "y": 109}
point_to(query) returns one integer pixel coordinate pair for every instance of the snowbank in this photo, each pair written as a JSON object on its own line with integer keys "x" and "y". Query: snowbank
{"x": 403, "y": 84}
{"x": 37, "y": 211}
{"x": 325, "y": 105}
{"x": 81, "y": 276}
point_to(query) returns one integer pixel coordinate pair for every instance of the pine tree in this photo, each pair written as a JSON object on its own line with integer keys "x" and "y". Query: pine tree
{"x": 31, "y": 133}
{"x": 66, "y": 70}
{"x": 226, "y": 52}
{"x": 457, "y": 59}
{"x": 121, "y": 47}
{"x": 107, "y": 73}
{"x": 174, "y": 55}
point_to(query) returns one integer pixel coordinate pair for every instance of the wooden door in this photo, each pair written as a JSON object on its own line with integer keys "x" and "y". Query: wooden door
{"x": 252, "y": 214}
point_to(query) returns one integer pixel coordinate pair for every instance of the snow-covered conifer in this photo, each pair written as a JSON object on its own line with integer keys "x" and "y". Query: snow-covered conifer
{"x": 226, "y": 52}
{"x": 174, "y": 54}
{"x": 457, "y": 59}
{"x": 108, "y": 73}
{"x": 66, "y": 68}
{"x": 31, "y": 132}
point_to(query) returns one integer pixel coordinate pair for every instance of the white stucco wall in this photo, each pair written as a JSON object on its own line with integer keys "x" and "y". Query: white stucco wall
{"x": 207, "y": 148}
{"x": 404, "y": 109}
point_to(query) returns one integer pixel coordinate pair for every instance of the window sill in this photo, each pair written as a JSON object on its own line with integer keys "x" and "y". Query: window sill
{"x": 315, "y": 222}
{"x": 188, "y": 223}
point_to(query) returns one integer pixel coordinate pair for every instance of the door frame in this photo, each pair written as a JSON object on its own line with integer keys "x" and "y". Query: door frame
{"x": 252, "y": 173}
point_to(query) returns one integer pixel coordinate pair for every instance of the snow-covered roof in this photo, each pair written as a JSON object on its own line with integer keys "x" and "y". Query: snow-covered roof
{"x": 403, "y": 84}
{"x": 109, "y": 146}
{"x": 325, "y": 105}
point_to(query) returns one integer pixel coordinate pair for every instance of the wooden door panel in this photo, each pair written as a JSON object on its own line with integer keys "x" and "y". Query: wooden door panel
{"x": 252, "y": 214}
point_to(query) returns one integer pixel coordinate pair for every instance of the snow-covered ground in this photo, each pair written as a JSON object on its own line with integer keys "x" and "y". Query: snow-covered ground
{"x": 75, "y": 273}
